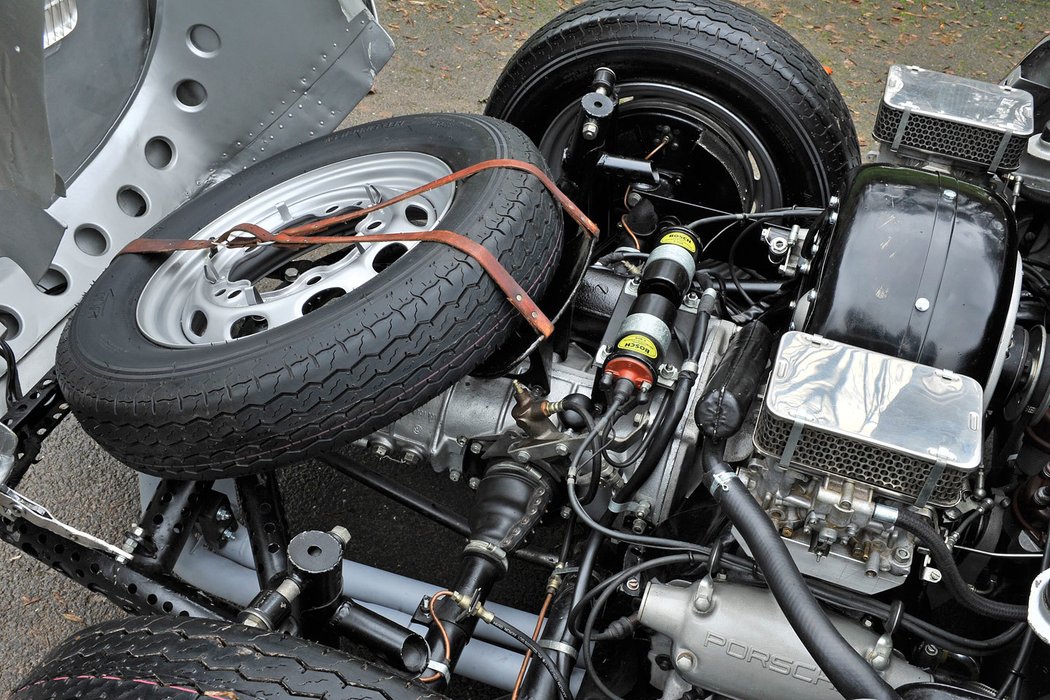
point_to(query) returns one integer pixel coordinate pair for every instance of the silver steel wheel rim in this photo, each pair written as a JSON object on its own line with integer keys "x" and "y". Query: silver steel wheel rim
{"x": 195, "y": 298}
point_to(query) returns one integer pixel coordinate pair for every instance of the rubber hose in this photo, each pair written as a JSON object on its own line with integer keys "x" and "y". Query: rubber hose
{"x": 672, "y": 417}
{"x": 841, "y": 663}
{"x": 942, "y": 557}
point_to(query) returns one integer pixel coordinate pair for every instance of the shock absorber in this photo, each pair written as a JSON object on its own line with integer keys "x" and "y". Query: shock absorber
{"x": 645, "y": 335}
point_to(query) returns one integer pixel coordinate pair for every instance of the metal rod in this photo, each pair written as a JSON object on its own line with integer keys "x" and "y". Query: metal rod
{"x": 267, "y": 525}
{"x": 421, "y": 504}
{"x": 167, "y": 524}
{"x": 135, "y": 591}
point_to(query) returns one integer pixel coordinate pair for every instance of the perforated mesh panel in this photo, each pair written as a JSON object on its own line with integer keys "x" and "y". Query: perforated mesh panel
{"x": 893, "y": 474}
{"x": 959, "y": 141}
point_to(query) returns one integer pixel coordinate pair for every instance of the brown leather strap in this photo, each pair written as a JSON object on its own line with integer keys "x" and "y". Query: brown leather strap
{"x": 306, "y": 235}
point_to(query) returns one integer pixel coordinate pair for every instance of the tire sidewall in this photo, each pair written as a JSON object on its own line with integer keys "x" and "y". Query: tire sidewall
{"x": 115, "y": 346}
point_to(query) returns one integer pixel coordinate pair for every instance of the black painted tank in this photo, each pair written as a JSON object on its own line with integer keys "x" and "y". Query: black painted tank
{"x": 921, "y": 266}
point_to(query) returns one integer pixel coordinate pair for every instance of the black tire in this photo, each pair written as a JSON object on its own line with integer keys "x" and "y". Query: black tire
{"x": 338, "y": 373}
{"x": 183, "y": 658}
{"x": 711, "y": 48}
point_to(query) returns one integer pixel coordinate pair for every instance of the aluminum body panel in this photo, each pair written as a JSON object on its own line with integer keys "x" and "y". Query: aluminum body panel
{"x": 310, "y": 85}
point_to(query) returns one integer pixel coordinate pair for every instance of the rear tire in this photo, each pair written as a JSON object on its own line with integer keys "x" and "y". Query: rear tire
{"x": 330, "y": 375}
{"x": 182, "y": 658}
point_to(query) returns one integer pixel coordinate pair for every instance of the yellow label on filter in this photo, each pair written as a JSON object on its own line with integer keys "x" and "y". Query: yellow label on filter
{"x": 682, "y": 240}
{"x": 639, "y": 344}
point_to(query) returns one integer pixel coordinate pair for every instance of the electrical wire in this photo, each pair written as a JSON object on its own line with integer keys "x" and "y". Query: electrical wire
{"x": 733, "y": 274}
{"x": 757, "y": 216}
{"x": 610, "y": 586}
{"x": 1001, "y": 555}
{"x": 539, "y": 652}
{"x": 13, "y": 388}
{"x": 444, "y": 635}
{"x": 1013, "y": 678}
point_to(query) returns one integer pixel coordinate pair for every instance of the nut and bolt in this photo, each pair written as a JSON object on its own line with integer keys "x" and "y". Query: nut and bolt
{"x": 565, "y": 513}
{"x": 589, "y": 132}
{"x": 227, "y": 535}
{"x": 562, "y": 449}
{"x": 473, "y": 483}
{"x": 223, "y": 514}
{"x": 685, "y": 661}
{"x": 522, "y": 456}
{"x": 668, "y": 372}
{"x": 341, "y": 534}
{"x": 291, "y": 274}
{"x": 638, "y": 526}
{"x": 902, "y": 554}
{"x": 454, "y": 475}
{"x": 475, "y": 448}
{"x": 633, "y": 198}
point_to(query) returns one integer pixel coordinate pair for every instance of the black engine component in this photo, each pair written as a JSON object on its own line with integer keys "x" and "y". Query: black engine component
{"x": 920, "y": 266}
{"x": 645, "y": 335}
{"x": 730, "y": 391}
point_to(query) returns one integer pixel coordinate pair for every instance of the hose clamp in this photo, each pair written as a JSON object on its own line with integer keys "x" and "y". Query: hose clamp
{"x": 560, "y": 647}
{"x": 721, "y": 480}
{"x": 439, "y": 667}
{"x": 487, "y": 549}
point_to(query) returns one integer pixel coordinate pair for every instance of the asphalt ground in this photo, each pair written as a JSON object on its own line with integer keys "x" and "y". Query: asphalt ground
{"x": 449, "y": 55}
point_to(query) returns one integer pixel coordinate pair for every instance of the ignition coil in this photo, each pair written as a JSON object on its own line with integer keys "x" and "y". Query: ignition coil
{"x": 644, "y": 337}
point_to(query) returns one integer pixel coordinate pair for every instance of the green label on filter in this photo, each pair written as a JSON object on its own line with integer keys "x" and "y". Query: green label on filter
{"x": 639, "y": 344}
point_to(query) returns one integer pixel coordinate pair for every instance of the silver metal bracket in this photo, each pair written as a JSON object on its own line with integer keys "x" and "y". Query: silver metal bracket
{"x": 936, "y": 471}
{"x": 14, "y": 506}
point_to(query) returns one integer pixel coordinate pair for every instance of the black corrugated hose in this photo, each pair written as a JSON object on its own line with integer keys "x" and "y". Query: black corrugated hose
{"x": 848, "y": 672}
{"x": 942, "y": 557}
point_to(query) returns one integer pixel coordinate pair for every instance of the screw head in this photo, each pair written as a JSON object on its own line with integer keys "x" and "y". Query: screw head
{"x": 566, "y": 512}
{"x": 475, "y": 448}
{"x": 380, "y": 450}
{"x": 522, "y": 456}
{"x": 922, "y": 304}
{"x": 454, "y": 475}
{"x": 632, "y": 584}
{"x": 562, "y": 449}
{"x": 902, "y": 554}
{"x": 411, "y": 457}
{"x": 950, "y": 195}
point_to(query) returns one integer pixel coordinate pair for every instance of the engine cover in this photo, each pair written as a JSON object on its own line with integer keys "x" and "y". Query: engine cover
{"x": 920, "y": 266}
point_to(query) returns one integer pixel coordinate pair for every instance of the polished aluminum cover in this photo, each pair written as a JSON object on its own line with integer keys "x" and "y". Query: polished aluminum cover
{"x": 963, "y": 119}
{"x": 836, "y": 409}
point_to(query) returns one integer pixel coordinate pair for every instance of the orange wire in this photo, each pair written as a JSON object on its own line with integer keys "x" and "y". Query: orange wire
{"x": 663, "y": 142}
{"x": 528, "y": 652}
{"x": 441, "y": 628}
{"x": 623, "y": 222}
